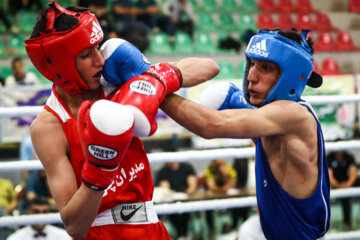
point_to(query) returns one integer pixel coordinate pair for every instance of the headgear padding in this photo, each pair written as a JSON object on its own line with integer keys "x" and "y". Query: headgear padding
{"x": 53, "y": 53}
{"x": 294, "y": 60}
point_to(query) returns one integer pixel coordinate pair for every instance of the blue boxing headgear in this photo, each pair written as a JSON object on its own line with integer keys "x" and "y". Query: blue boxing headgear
{"x": 294, "y": 60}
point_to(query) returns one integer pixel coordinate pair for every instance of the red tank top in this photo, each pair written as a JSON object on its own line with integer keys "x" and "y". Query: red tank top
{"x": 133, "y": 182}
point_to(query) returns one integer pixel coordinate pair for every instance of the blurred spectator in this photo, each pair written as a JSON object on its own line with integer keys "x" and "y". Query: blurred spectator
{"x": 342, "y": 174}
{"x": 27, "y": 152}
{"x": 31, "y": 5}
{"x": 148, "y": 13}
{"x": 124, "y": 14}
{"x": 181, "y": 14}
{"x": 241, "y": 167}
{"x": 98, "y": 7}
{"x": 87, "y": 3}
{"x": 39, "y": 231}
{"x": 19, "y": 76}
{"x": 228, "y": 42}
{"x": 37, "y": 186}
{"x": 126, "y": 26}
{"x": 220, "y": 179}
{"x": 10, "y": 28}
{"x": 8, "y": 201}
{"x": 179, "y": 177}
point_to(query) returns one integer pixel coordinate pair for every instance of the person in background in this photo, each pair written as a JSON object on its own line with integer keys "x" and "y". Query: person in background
{"x": 181, "y": 14}
{"x": 9, "y": 26}
{"x": 17, "y": 5}
{"x": 19, "y": 75}
{"x": 179, "y": 177}
{"x": 241, "y": 167}
{"x": 127, "y": 27}
{"x": 343, "y": 174}
{"x": 148, "y": 12}
{"x": 39, "y": 231}
{"x": 220, "y": 178}
{"x": 37, "y": 186}
{"x": 27, "y": 153}
{"x": 8, "y": 203}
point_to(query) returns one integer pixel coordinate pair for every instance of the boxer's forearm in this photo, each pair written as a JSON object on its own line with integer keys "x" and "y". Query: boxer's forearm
{"x": 197, "y": 70}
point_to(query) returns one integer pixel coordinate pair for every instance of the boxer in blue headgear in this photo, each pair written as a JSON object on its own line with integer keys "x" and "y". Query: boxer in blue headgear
{"x": 295, "y": 61}
{"x": 292, "y": 182}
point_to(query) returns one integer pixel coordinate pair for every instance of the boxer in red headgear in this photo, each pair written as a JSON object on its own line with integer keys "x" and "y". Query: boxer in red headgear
{"x": 96, "y": 166}
{"x": 53, "y": 52}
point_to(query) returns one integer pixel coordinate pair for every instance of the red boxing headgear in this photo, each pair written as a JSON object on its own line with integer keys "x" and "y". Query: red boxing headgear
{"x": 53, "y": 53}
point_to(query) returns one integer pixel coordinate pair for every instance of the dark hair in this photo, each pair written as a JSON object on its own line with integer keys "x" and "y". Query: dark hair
{"x": 293, "y": 35}
{"x": 62, "y": 23}
{"x": 38, "y": 201}
{"x": 15, "y": 59}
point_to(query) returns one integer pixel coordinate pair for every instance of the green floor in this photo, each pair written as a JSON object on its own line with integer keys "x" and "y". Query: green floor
{"x": 336, "y": 224}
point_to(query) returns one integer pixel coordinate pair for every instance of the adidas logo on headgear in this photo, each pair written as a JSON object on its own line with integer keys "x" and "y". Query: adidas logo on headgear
{"x": 96, "y": 34}
{"x": 259, "y": 48}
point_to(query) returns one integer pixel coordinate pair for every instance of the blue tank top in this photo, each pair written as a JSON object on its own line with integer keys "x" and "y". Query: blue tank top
{"x": 283, "y": 216}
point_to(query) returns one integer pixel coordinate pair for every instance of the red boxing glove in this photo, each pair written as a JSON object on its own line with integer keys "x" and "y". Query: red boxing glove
{"x": 143, "y": 94}
{"x": 105, "y": 130}
{"x": 169, "y": 74}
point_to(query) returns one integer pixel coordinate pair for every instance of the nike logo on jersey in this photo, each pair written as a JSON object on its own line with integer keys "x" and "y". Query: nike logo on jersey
{"x": 127, "y": 217}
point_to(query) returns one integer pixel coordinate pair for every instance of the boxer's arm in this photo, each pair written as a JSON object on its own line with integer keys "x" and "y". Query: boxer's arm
{"x": 77, "y": 206}
{"x": 124, "y": 61}
{"x": 276, "y": 118}
{"x": 224, "y": 95}
{"x": 196, "y": 70}
{"x": 105, "y": 131}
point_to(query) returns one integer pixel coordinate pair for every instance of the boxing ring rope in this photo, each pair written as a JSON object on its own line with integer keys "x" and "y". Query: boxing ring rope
{"x": 313, "y": 100}
{"x": 184, "y": 156}
{"x": 193, "y": 155}
{"x": 171, "y": 208}
{"x": 181, "y": 207}
{"x": 20, "y": 111}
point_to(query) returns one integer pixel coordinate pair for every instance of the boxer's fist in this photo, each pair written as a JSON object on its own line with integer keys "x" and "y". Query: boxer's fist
{"x": 105, "y": 130}
{"x": 143, "y": 94}
{"x": 169, "y": 74}
{"x": 122, "y": 61}
{"x": 224, "y": 95}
